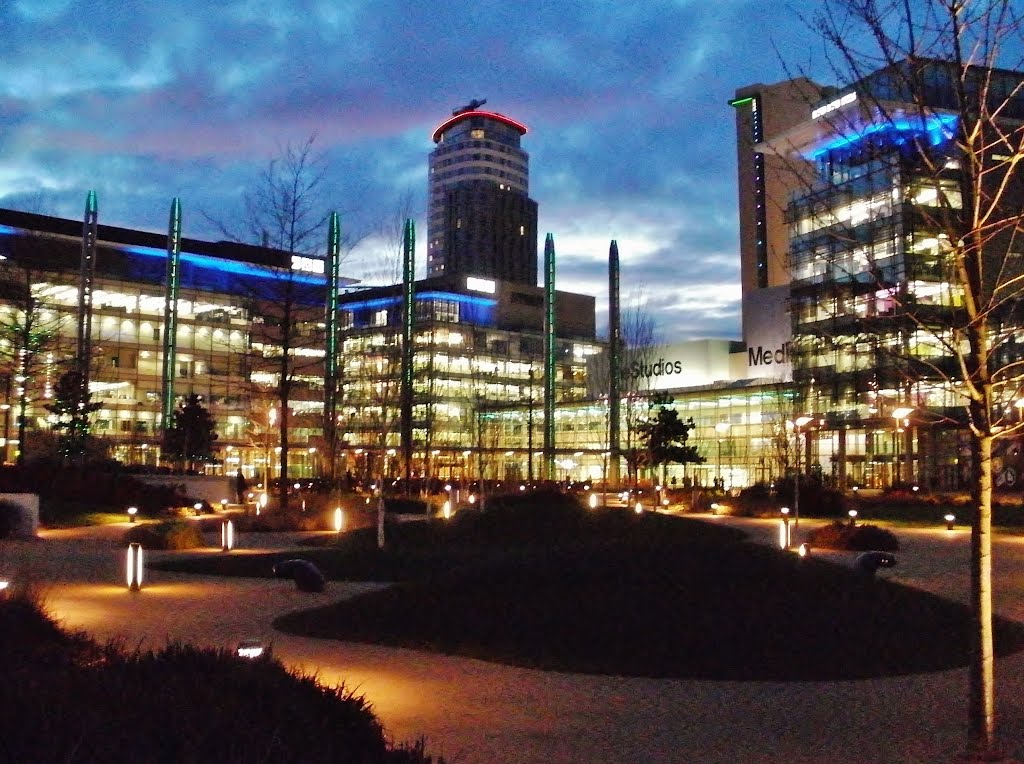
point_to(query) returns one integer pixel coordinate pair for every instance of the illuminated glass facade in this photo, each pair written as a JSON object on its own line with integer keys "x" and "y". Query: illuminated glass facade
{"x": 225, "y": 342}
{"x": 874, "y": 293}
{"x": 477, "y": 352}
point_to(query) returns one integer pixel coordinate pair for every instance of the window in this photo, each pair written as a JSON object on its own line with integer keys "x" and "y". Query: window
{"x": 477, "y": 133}
{"x": 380, "y": 318}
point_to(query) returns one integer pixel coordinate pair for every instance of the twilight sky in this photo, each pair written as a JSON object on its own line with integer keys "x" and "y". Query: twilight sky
{"x": 630, "y": 136}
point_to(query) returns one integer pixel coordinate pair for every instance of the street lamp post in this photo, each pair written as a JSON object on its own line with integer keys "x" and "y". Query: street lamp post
{"x": 529, "y": 434}
{"x": 797, "y": 424}
{"x": 900, "y": 421}
{"x": 271, "y": 419}
{"x": 721, "y": 428}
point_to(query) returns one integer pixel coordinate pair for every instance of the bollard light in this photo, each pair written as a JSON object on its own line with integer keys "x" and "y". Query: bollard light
{"x": 446, "y": 510}
{"x": 223, "y": 505}
{"x": 853, "y": 517}
{"x": 950, "y": 519}
{"x": 472, "y": 499}
{"x": 227, "y": 536}
{"x": 339, "y": 519}
{"x": 593, "y": 500}
{"x": 198, "y": 507}
{"x": 134, "y": 566}
{"x": 250, "y": 649}
{"x": 132, "y": 511}
{"x": 4, "y": 584}
{"x": 804, "y": 550}
{"x": 639, "y": 508}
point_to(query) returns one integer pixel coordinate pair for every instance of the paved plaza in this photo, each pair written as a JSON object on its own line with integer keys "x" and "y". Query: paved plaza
{"x": 474, "y": 712}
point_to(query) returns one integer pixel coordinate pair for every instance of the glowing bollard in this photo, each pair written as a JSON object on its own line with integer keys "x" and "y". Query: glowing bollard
{"x": 132, "y": 511}
{"x": 446, "y": 510}
{"x": 134, "y": 566}
{"x": 639, "y": 508}
{"x": 227, "y": 536}
{"x": 785, "y": 539}
{"x": 339, "y": 520}
{"x": 251, "y": 649}
{"x": 950, "y": 520}
{"x": 593, "y": 501}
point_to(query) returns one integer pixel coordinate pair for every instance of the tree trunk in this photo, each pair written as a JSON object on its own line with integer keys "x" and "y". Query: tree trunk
{"x": 981, "y": 670}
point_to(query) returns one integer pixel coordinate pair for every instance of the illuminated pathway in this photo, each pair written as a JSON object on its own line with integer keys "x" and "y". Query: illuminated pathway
{"x": 475, "y": 712}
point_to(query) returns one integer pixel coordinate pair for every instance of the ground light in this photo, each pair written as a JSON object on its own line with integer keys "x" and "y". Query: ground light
{"x": 227, "y": 536}
{"x": 784, "y": 537}
{"x": 639, "y": 508}
{"x": 250, "y": 649}
{"x": 3, "y": 588}
{"x": 446, "y": 509}
{"x": 339, "y": 519}
{"x": 950, "y": 520}
{"x": 804, "y": 550}
{"x": 593, "y": 501}
{"x": 134, "y": 566}
{"x": 132, "y": 511}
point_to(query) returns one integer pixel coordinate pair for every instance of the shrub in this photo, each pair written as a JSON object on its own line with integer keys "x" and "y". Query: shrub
{"x": 172, "y": 534}
{"x": 276, "y": 521}
{"x": 856, "y": 538}
{"x": 816, "y": 499}
{"x": 182, "y": 703}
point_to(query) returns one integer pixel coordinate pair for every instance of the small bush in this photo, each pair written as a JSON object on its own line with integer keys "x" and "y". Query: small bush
{"x": 173, "y": 534}
{"x": 855, "y": 538}
{"x": 69, "y": 699}
{"x": 276, "y": 521}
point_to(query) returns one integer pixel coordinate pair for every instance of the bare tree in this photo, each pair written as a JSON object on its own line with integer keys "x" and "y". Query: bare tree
{"x": 286, "y": 212}
{"x": 939, "y": 308}
{"x": 641, "y": 346}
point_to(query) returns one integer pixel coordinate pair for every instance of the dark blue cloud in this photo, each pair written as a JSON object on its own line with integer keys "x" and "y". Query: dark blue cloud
{"x": 630, "y": 134}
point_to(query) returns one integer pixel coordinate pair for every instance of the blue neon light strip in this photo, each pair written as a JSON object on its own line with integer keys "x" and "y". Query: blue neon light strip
{"x": 383, "y": 302}
{"x": 939, "y": 128}
{"x": 207, "y": 262}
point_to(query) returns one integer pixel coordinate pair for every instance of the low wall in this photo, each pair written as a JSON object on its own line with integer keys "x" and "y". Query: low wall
{"x": 209, "y": 488}
{"x": 28, "y": 516}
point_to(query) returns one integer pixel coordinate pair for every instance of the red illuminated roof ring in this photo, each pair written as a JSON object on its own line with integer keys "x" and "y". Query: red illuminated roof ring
{"x": 467, "y": 114}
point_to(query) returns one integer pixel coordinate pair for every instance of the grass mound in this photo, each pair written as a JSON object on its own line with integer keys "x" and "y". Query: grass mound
{"x": 66, "y": 699}
{"x": 733, "y": 612}
{"x": 543, "y": 582}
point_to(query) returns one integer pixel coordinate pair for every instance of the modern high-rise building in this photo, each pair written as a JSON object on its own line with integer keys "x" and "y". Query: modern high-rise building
{"x": 765, "y": 183}
{"x": 481, "y": 219}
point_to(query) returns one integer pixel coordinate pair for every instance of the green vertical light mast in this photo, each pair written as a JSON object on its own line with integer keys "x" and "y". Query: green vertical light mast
{"x": 171, "y": 311}
{"x": 408, "y": 327}
{"x": 331, "y": 375}
{"x": 614, "y": 365}
{"x": 86, "y": 272}
{"x": 549, "y": 357}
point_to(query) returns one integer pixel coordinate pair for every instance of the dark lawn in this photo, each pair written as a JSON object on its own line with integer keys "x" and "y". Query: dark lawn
{"x": 612, "y": 592}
